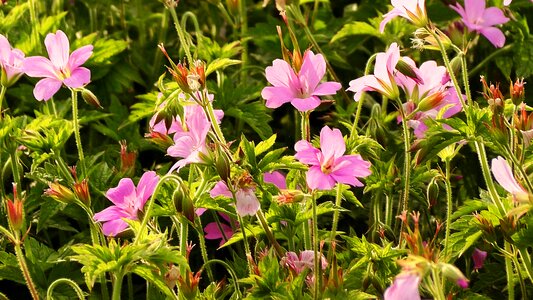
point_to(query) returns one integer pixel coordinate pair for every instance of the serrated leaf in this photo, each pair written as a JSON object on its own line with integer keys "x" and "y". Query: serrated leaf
{"x": 355, "y": 28}
{"x": 265, "y": 145}
{"x": 220, "y": 63}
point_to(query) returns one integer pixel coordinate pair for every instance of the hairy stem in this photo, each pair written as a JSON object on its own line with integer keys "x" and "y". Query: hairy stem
{"x": 338, "y": 199}
{"x": 317, "y": 268}
{"x": 71, "y": 283}
{"x": 76, "y": 124}
{"x": 449, "y": 206}
{"x": 181, "y": 35}
{"x": 509, "y": 271}
{"x": 117, "y": 285}
{"x": 269, "y": 234}
{"x": 25, "y": 271}
{"x": 2, "y": 96}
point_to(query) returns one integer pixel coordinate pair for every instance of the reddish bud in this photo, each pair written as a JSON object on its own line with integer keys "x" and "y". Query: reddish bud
{"x": 127, "y": 159}
{"x": 517, "y": 91}
{"x": 15, "y": 211}
{"x": 59, "y": 192}
{"x": 81, "y": 189}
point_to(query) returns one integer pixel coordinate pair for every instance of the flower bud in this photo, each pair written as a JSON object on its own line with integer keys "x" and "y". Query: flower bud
{"x": 233, "y": 6}
{"x": 289, "y": 196}
{"x": 517, "y": 91}
{"x": 59, "y": 192}
{"x": 432, "y": 192}
{"x": 183, "y": 202}
{"x": 15, "y": 211}
{"x": 81, "y": 189}
{"x": 127, "y": 160}
{"x": 161, "y": 140}
{"x": 478, "y": 256}
{"x": 409, "y": 71}
{"x": 431, "y": 101}
{"x": 222, "y": 164}
{"x": 7, "y": 81}
{"x": 90, "y": 98}
{"x": 454, "y": 274}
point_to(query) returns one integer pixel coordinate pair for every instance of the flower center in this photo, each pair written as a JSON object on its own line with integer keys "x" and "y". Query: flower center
{"x": 327, "y": 166}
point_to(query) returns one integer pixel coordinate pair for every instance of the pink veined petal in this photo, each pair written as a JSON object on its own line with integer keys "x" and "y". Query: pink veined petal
{"x": 474, "y": 9}
{"x": 220, "y": 189}
{"x": 46, "y": 88}
{"x": 360, "y": 85}
{"x": 178, "y": 165}
{"x": 198, "y": 125}
{"x": 388, "y": 17}
{"x": 213, "y": 232}
{"x": 460, "y": 10}
{"x": 494, "y": 16}
{"x": 123, "y": 193}
{"x": 353, "y": 165}
{"x": 78, "y": 78}
{"x": 327, "y": 88}
{"x": 306, "y": 104}
{"x": 79, "y": 56}
{"x": 276, "y": 96}
{"x": 5, "y": 48}
{"x": 58, "y": 48}
{"x": 507, "y": 2}
{"x": 246, "y": 202}
{"x": 111, "y": 213}
{"x": 306, "y": 153}
{"x": 183, "y": 146}
{"x": 494, "y": 35}
{"x": 200, "y": 211}
{"x": 316, "y": 180}
{"x": 276, "y": 178}
{"x": 332, "y": 143}
{"x": 114, "y": 227}
{"x": 312, "y": 70}
{"x": 504, "y": 176}
{"x": 405, "y": 286}
{"x": 282, "y": 74}
{"x": 146, "y": 187}
{"x": 38, "y": 66}
{"x": 393, "y": 56}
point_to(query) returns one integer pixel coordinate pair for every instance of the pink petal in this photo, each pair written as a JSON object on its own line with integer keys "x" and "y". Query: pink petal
{"x": 494, "y": 16}
{"x": 5, "y": 48}
{"x": 123, "y": 194}
{"x": 306, "y": 104}
{"x": 388, "y": 17}
{"x": 327, "y": 88}
{"x": 58, "y": 48}
{"x": 114, "y": 227}
{"x": 213, "y": 232}
{"x": 276, "y": 178}
{"x": 246, "y": 202}
{"x": 46, "y": 88}
{"x": 38, "y": 66}
{"x": 474, "y": 9}
{"x": 504, "y": 176}
{"x": 282, "y": 74}
{"x": 110, "y": 213}
{"x": 332, "y": 143}
{"x": 78, "y": 78}
{"x": 405, "y": 286}
{"x": 316, "y": 180}
{"x": 182, "y": 146}
{"x": 312, "y": 70}
{"x": 276, "y": 96}
{"x": 220, "y": 189}
{"x": 146, "y": 187}
{"x": 306, "y": 153}
{"x": 494, "y": 35}
{"x": 360, "y": 85}
{"x": 79, "y": 56}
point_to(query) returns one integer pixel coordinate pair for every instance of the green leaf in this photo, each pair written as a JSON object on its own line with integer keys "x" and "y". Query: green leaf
{"x": 524, "y": 58}
{"x": 355, "y": 28}
{"x": 150, "y": 275}
{"x": 265, "y": 145}
{"x": 220, "y": 63}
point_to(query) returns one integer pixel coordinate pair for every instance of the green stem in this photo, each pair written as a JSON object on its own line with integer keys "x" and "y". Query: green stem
{"x": 214, "y": 123}
{"x": 24, "y": 268}
{"x": 526, "y": 261}
{"x": 338, "y": 199}
{"x": 71, "y": 283}
{"x": 269, "y": 234}
{"x": 465, "y": 80}
{"x": 15, "y": 167}
{"x": 2, "y": 95}
{"x": 203, "y": 249}
{"x": 231, "y": 273}
{"x": 246, "y": 245}
{"x": 244, "y": 33}
{"x": 407, "y": 159}
{"x": 184, "y": 232}
{"x": 305, "y": 126}
{"x": 449, "y": 206}
{"x": 130, "y": 286}
{"x": 117, "y": 285}
{"x": 317, "y": 266}
{"x": 181, "y": 35}
{"x": 482, "y": 155}
{"x": 509, "y": 272}
{"x": 35, "y": 26}
{"x": 76, "y": 124}
{"x": 520, "y": 169}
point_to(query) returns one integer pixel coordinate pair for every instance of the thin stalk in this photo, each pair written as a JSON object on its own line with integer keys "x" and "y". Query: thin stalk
{"x": 25, "y": 271}
{"x": 305, "y": 126}
{"x": 214, "y": 123}
{"x": 368, "y": 66}
{"x": 306, "y": 235}
{"x": 338, "y": 199}
{"x": 203, "y": 249}
{"x": 509, "y": 272}
{"x": 130, "y": 286}
{"x": 526, "y": 261}
{"x": 246, "y": 245}
{"x": 117, "y": 286}
{"x": 76, "y": 124}
{"x": 2, "y": 96}
{"x": 244, "y": 33}
{"x": 465, "y": 80}
{"x": 520, "y": 169}
{"x": 269, "y": 234}
{"x": 72, "y": 284}
{"x": 35, "y": 26}
{"x": 181, "y": 35}
{"x": 231, "y": 273}
{"x": 449, "y": 206}
{"x": 15, "y": 167}
{"x": 482, "y": 155}
{"x": 407, "y": 159}
{"x": 315, "y": 11}
{"x": 184, "y": 232}
{"x": 438, "y": 292}
{"x": 316, "y": 269}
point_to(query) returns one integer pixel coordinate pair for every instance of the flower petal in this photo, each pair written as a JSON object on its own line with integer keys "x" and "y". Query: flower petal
{"x": 123, "y": 194}
{"x": 306, "y": 104}
{"x": 327, "y": 88}
{"x": 312, "y": 70}
{"x": 306, "y": 153}
{"x": 46, "y": 88}
{"x": 111, "y": 213}
{"x": 78, "y": 78}
{"x": 316, "y": 180}
{"x": 79, "y": 56}
{"x": 332, "y": 143}
{"x": 146, "y": 187}
{"x": 494, "y": 35}
{"x": 220, "y": 189}
{"x": 276, "y": 178}
{"x": 282, "y": 74}
{"x": 114, "y": 227}
{"x": 38, "y": 66}
{"x": 504, "y": 176}
{"x": 276, "y": 96}
{"x": 58, "y": 48}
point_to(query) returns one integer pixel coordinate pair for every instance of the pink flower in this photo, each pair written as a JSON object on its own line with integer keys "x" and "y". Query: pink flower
{"x": 329, "y": 165}
{"x": 11, "y": 61}
{"x": 480, "y": 19}
{"x": 507, "y": 2}
{"x": 61, "y": 68}
{"x": 412, "y": 10}
{"x": 479, "y": 258}
{"x": 302, "y": 89}
{"x": 128, "y": 200}
{"x": 306, "y": 260}
{"x": 405, "y": 286}
{"x": 383, "y": 79}
{"x": 212, "y": 230}
{"x": 246, "y": 202}
{"x": 504, "y": 176}
{"x": 276, "y": 178}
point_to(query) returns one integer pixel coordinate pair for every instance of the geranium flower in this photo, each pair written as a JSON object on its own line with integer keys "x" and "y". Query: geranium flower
{"x": 329, "y": 165}
{"x": 128, "y": 200}
{"x": 478, "y": 256}
{"x": 412, "y": 10}
{"x": 383, "y": 79}
{"x": 276, "y": 178}
{"x": 504, "y": 176}
{"x": 405, "y": 286}
{"x": 246, "y": 202}
{"x": 11, "y": 61}
{"x": 61, "y": 68}
{"x": 306, "y": 260}
{"x": 212, "y": 230}
{"x": 302, "y": 89}
{"x": 480, "y": 19}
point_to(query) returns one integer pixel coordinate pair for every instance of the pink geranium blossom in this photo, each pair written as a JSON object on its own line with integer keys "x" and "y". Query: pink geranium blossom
{"x": 479, "y": 257}
{"x": 212, "y": 230}
{"x": 246, "y": 202}
{"x": 480, "y": 19}
{"x": 276, "y": 178}
{"x": 504, "y": 176}
{"x": 11, "y": 62}
{"x": 383, "y": 79}
{"x": 300, "y": 89}
{"x": 329, "y": 165}
{"x": 128, "y": 200}
{"x": 306, "y": 260}
{"x": 405, "y": 286}
{"x": 412, "y": 10}
{"x": 61, "y": 68}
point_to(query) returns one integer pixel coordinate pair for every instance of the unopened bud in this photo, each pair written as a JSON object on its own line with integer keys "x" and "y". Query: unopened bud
{"x": 59, "y": 192}
{"x": 127, "y": 159}
{"x": 431, "y": 101}
{"x": 222, "y": 164}
{"x": 15, "y": 211}
{"x": 409, "y": 71}
{"x": 233, "y": 6}
{"x": 456, "y": 64}
{"x": 289, "y": 196}
{"x": 90, "y": 98}
{"x": 454, "y": 274}
{"x": 81, "y": 189}
{"x": 517, "y": 91}
{"x": 183, "y": 202}
{"x": 432, "y": 192}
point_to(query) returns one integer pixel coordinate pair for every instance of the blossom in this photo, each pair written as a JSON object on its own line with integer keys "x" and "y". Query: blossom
{"x": 246, "y": 202}
{"x": 504, "y": 176}
{"x": 329, "y": 164}
{"x": 480, "y": 19}
{"x": 212, "y": 230}
{"x": 479, "y": 257}
{"x": 61, "y": 68}
{"x": 276, "y": 178}
{"x": 306, "y": 260}
{"x": 300, "y": 89}
{"x": 412, "y": 10}
{"x": 383, "y": 79}
{"x": 128, "y": 200}
{"x": 405, "y": 286}
{"x": 11, "y": 61}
